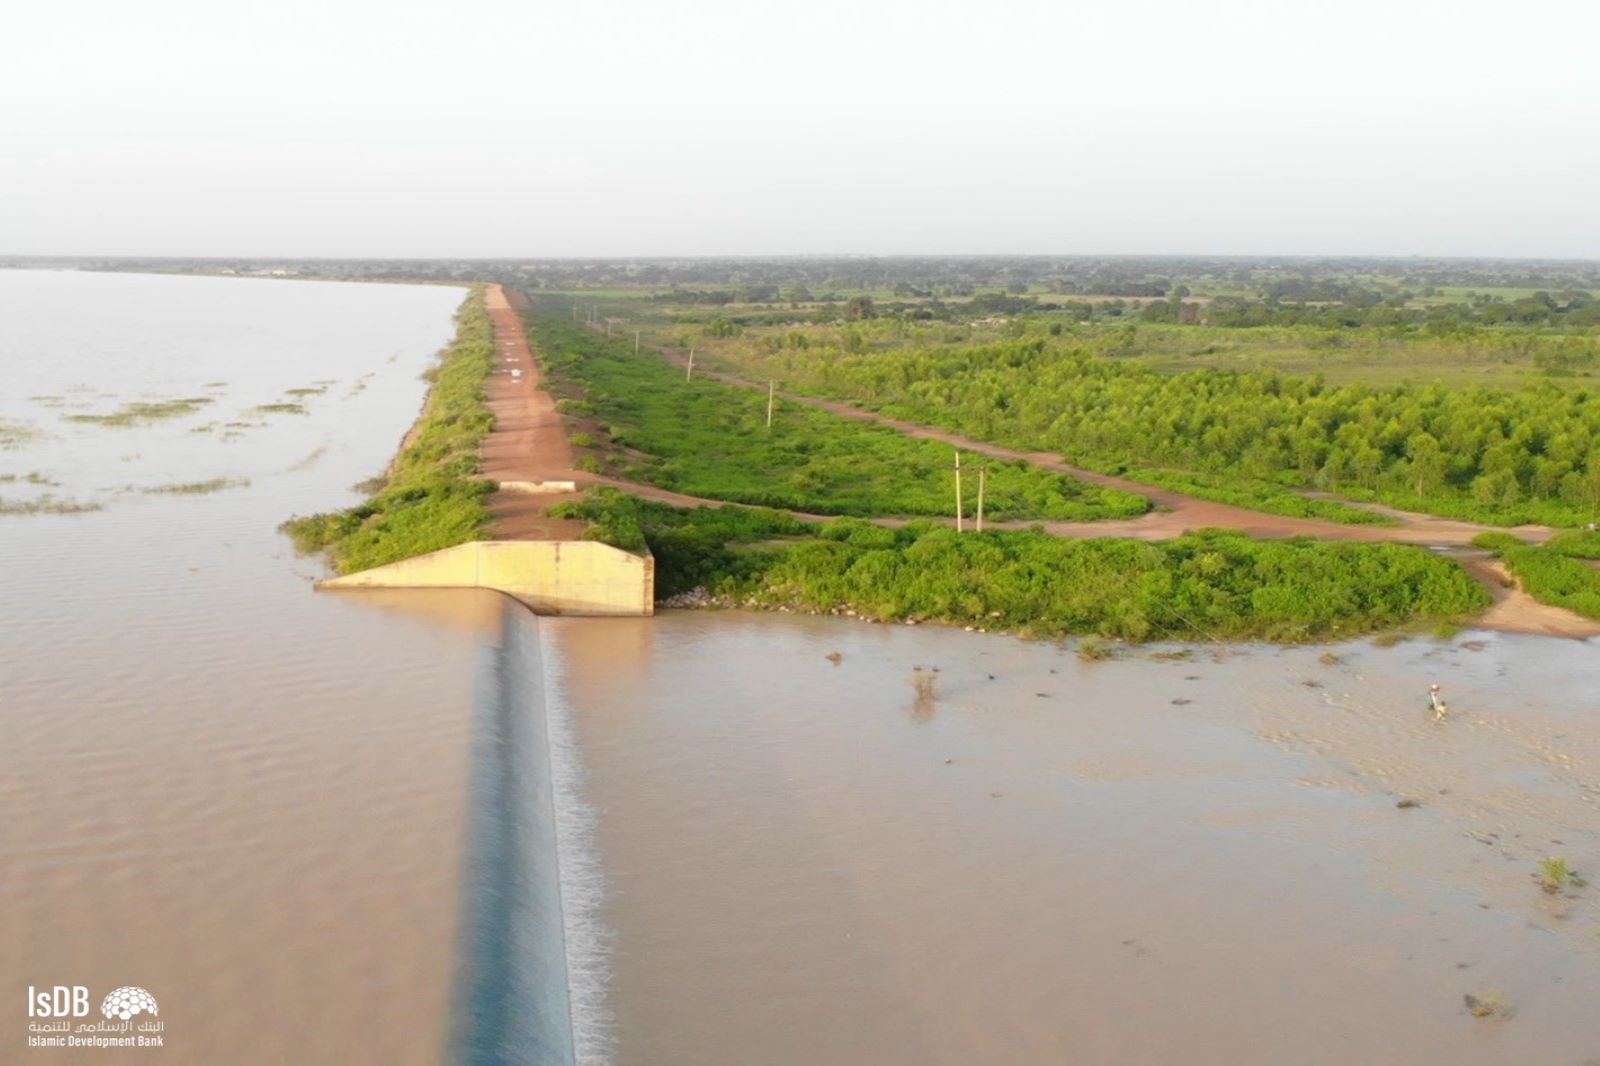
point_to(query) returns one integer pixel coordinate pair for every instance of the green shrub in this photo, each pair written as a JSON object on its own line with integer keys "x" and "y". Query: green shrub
{"x": 1208, "y": 585}
{"x": 431, "y": 497}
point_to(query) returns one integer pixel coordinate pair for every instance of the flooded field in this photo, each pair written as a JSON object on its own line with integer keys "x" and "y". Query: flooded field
{"x": 214, "y": 784}
{"x": 1186, "y": 855}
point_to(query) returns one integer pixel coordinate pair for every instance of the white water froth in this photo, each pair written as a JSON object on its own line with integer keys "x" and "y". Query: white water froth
{"x": 581, "y": 879}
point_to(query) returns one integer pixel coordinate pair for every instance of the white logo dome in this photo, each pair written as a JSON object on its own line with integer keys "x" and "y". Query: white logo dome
{"x": 127, "y": 1001}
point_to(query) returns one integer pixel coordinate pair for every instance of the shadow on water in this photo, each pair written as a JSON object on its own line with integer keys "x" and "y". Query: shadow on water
{"x": 512, "y": 1003}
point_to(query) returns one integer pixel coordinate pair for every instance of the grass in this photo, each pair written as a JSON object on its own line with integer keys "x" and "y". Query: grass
{"x": 1210, "y": 585}
{"x": 16, "y": 434}
{"x": 48, "y": 505}
{"x": 706, "y": 438}
{"x": 197, "y": 488}
{"x": 1554, "y": 875}
{"x": 1093, "y": 650}
{"x": 278, "y": 409}
{"x": 431, "y": 496}
{"x": 139, "y": 413}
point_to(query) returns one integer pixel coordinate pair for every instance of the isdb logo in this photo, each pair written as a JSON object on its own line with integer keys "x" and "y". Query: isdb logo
{"x": 127, "y": 1001}
{"x": 65, "y": 1003}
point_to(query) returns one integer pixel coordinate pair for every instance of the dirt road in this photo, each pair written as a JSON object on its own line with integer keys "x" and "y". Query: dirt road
{"x": 528, "y": 443}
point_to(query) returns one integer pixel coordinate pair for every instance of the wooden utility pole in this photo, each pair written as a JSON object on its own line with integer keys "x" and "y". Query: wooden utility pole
{"x": 958, "y": 492}
{"x": 688, "y": 374}
{"x": 770, "y": 385}
{"x": 636, "y": 342}
{"x": 983, "y": 473}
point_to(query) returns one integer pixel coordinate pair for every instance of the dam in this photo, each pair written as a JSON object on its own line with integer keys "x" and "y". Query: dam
{"x": 565, "y": 577}
{"x": 534, "y": 558}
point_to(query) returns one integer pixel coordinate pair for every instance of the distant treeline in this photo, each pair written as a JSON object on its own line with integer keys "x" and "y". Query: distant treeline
{"x": 1570, "y": 308}
{"x": 1286, "y": 277}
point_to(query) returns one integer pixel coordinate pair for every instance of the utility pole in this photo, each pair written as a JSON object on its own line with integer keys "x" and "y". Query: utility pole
{"x": 608, "y": 327}
{"x": 636, "y": 342}
{"x": 983, "y": 473}
{"x": 770, "y": 385}
{"x": 958, "y": 492}
{"x": 689, "y": 373}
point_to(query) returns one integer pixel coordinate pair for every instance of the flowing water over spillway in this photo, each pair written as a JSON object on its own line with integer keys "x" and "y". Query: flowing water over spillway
{"x": 424, "y": 826}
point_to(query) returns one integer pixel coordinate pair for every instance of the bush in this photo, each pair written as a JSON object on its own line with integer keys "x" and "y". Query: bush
{"x": 1209, "y": 585}
{"x": 430, "y": 497}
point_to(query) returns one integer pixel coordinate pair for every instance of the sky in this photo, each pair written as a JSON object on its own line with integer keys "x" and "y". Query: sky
{"x": 304, "y": 128}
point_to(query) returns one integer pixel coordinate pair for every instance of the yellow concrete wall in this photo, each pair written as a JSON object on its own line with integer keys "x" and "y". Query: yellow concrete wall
{"x": 578, "y": 577}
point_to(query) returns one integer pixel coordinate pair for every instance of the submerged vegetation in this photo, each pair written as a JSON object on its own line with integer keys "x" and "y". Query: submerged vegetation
{"x": 431, "y": 496}
{"x": 1209, "y": 585}
{"x": 707, "y": 438}
{"x": 197, "y": 488}
{"x": 15, "y": 434}
{"x": 1554, "y": 874}
{"x": 48, "y": 504}
{"x": 139, "y": 412}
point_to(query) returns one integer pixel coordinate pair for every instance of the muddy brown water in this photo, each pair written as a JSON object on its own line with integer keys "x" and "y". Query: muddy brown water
{"x": 214, "y": 784}
{"x": 1138, "y": 861}
{"x": 251, "y": 799}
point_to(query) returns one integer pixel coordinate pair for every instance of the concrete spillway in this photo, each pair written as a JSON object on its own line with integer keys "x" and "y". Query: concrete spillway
{"x": 571, "y": 577}
{"x": 514, "y": 1001}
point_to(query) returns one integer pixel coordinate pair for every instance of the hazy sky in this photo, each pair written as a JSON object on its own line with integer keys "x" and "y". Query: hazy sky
{"x": 603, "y": 127}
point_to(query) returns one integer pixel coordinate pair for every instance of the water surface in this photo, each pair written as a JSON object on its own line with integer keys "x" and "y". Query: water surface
{"x": 215, "y": 784}
{"x": 1154, "y": 860}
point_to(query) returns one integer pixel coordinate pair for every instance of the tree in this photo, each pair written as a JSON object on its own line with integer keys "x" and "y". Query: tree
{"x": 1427, "y": 461}
{"x": 858, "y": 307}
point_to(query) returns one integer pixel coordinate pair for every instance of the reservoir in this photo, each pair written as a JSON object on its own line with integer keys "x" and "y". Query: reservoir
{"x": 321, "y": 827}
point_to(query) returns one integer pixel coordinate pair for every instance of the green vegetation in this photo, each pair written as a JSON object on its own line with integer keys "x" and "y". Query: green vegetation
{"x": 278, "y": 409}
{"x": 16, "y": 434}
{"x": 1499, "y": 456}
{"x": 140, "y": 413}
{"x": 693, "y": 547}
{"x": 1555, "y": 573}
{"x": 1554, "y": 874}
{"x": 47, "y": 505}
{"x": 431, "y": 497}
{"x": 197, "y": 488}
{"x": 1208, "y": 585}
{"x": 707, "y": 438}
